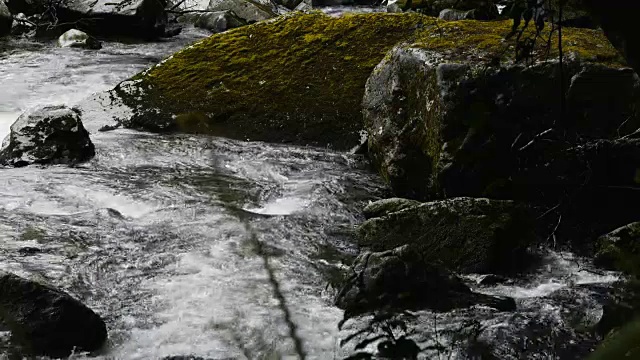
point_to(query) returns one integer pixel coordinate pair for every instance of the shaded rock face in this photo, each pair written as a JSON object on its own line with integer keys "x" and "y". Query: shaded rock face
{"x": 622, "y": 306}
{"x": 249, "y": 11}
{"x": 46, "y": 321}
{"x": 457, "y": 129}
{"x": 130, "y": 18}
{"x": 620, "y": 249}
{"x": 47, "y": 135}
{"x": 6, "y": 20}
{"x": 445, "y": 124}
{"x": 462, "y": 234}
{"x": 402, "y": 279}
{"x": 78, "y": 39}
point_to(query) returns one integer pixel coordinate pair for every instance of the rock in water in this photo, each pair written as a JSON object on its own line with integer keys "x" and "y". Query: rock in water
{"x": 78, "y": 39}
{"x": 218, "y": 21}
{"x": 47, "y": 135}
{"x": 402, "y": 279}
{"x": 130, "y": 18}
{"x": 47, "y": 321}
{"x": 249, "y": 11}
{"x": 463, "y": 234}
{"x": 6, "y": 20}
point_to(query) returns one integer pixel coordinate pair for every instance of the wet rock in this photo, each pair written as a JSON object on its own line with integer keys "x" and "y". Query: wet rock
{"x": 294, "y": 4}
{"x": 23, "y": 26}
{"x": 622, "y": 306}
{"x": 248, "y": 11}
{"x": 464, "y": 234}
{"x": 402, "y": 279}
{"x": 218, "y": 21}
{"x": 131, "y": 18}
{"x": 6, "y": 20}
{"x": 29, "y": 250}
{"x": 78, "y": 39}
{"x": 47, "y": 321}
{"x": 386, "y": 206}
{"x": 620, "y": 249}
{"x": 47, "y": 135}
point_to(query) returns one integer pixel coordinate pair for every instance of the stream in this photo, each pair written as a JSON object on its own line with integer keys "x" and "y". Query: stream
{"x": 154, "y": 232}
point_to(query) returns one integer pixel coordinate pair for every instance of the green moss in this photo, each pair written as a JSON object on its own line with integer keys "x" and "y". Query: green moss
{"x": 469, "y": 39}
{"x": 300, "y": 78}
{"x": 622, "y": 344}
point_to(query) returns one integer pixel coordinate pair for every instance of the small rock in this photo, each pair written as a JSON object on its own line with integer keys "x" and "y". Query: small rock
{"x": 248, "y": 10}
{"x": 29, "y": 250}
{"x": 47, "y": 135}
{"x": 455, "y": 15}
{"x": 78, "y": 39}
{"x": 47, "y": 321}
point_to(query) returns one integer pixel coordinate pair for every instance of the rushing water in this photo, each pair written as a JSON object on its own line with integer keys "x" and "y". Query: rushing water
{"x": 153, "y": 233}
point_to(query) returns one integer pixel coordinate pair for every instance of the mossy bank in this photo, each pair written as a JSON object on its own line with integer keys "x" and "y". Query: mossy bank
{"x": 301, "y": 78}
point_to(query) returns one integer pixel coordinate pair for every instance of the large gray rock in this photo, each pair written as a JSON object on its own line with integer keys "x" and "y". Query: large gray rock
{"x": 249, "y": 11}
{"x": 5, "y": 19}
{"x": 47, "y": 135}
{"x": 462, "y": 234}
{"x": 132, "y": 18}
{"x": 78, "y": 39}
{"x": 47, "y": 321}
{"x": 403, "y": 279}
{"x": 386, "y": 206}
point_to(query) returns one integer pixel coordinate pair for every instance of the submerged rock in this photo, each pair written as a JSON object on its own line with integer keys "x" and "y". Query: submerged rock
{"x": 78, "y": 39}
{"x": 47, "y": 135}
{"x": 402, "y": 279}
{"x": 462, "y": 234}
{"x": 47, "y": 321}
{"x": 620, "y": 249}
{"x": 6, "y": 20}
{"x": 298, "y": 78}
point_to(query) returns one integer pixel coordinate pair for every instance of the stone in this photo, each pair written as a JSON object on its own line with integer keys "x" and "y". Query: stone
{"x": 402, "y": 279}
{"x": 47, "y": 135}
{"x": 78, "y": 39}
{"x": 218, "y": 21}
{"x": 386, "y": 206}
{"x": 46, "y": 321}
{"x": 462, "y": 234}
{"x": 249, "y": 11}
{"x": 6, "y": 19}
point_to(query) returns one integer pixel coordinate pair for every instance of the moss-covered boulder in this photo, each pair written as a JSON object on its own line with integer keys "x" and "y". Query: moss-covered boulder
{"x": 620, "y": 249}
{"x": 462, "y": 234}
{"x": 298, "y": 78}
{"x": 404, "y": 279}
{"x": 622, "y": 306}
